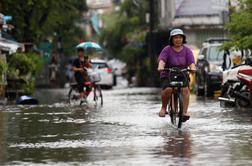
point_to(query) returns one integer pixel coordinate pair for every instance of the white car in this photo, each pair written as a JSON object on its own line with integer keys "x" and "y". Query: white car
{"x": 106, "y": 73}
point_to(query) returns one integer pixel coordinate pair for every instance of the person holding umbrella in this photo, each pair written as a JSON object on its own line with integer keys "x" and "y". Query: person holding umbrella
{"x": 82, "y": 62}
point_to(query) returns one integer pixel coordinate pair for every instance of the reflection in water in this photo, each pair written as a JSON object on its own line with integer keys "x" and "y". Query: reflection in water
{"x": 2, "y": 137}
{"x": 33, "y": 126}
{"x": 177, "y": 146}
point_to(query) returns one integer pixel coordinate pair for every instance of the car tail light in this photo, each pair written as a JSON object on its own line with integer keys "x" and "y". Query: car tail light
{"x": 109, "y": 70}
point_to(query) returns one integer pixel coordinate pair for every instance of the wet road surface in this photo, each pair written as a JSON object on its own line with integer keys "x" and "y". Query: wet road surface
{"x": 125, "y": 131}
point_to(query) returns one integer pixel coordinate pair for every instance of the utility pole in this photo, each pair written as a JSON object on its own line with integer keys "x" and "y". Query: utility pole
{"x": 151, "y": 46}
{"x": 61, "y": 58}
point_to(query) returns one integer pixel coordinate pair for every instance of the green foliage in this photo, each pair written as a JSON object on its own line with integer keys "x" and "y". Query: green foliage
{"x": 125, "y": 32}
{"x": 240, "y": 26}
{"x": 3, "y": 68}
{"x": 21, "y": 64}
{"x": 135, "y": 8}
{"x": 24, "y": 66}
{"x": 36, "y": 20}
{"x": 28, "y": 86}
{"x": 120, "y": 27}
{"x": 115, "y": 38}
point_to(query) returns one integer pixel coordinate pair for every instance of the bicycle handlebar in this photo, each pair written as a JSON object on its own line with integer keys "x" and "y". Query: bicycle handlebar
{"x": 178, "y": 70}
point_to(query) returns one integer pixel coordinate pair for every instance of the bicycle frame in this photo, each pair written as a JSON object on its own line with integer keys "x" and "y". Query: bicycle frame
{"x": 175, "y": 108}
{"x": 97, "y": 93}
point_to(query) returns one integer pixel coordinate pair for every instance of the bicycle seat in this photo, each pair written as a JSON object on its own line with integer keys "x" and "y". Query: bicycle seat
{"x": 87, "y": 83}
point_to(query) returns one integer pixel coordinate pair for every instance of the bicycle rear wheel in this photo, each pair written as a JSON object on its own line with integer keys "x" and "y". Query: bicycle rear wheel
{"x": 98, "y": 98}
{"x": 176, "y": 109}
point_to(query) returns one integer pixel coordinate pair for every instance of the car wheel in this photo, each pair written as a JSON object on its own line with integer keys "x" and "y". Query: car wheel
{"x": 114, "y": 80}
{"x": 199, "y": 91}
{"x": 241, "y": 103}
{"x": 208, "y": 88}
{"x": 224, "y": 93}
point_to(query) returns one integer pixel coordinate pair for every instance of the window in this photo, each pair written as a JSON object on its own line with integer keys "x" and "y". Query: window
{"x": 215, "y": 54}
{"x": 99, "y": 65}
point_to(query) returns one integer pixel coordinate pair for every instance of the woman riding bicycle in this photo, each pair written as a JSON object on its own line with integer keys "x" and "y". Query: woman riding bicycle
{"x": 80, "y": 74}
{"x": 176, "y": 54}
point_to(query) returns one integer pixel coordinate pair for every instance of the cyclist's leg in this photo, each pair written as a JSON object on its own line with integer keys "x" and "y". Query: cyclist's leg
{"x": 81, "y": 89}
{"x": 88, "y": 90}
{"x": 186, "y": 96}
{"x": 166, "y": 95}
{"x": 88, "y": 86}
{"x": 80, "y": 86}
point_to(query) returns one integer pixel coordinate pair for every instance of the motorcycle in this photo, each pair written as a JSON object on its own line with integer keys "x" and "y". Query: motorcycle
{"x": 237, "y": 85}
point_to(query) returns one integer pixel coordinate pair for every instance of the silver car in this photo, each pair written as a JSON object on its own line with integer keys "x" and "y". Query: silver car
{"x": 106, "y": 72}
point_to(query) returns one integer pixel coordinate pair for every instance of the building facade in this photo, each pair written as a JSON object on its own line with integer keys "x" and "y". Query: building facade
{"x": 199, "y": 19}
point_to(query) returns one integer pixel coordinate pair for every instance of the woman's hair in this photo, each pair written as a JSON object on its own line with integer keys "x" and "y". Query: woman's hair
{"x": 80, "y": 49}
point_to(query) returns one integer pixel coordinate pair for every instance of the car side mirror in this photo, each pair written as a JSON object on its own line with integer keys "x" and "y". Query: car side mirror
{"x": 201, "y": 57}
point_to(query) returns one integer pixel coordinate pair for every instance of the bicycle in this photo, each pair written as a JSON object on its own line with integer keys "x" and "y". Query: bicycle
{"x": 178, "y": 80}
{"x": 73, "y": 94}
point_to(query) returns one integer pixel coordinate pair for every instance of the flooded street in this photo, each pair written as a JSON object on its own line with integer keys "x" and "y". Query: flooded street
{"x": 125, "y": 131}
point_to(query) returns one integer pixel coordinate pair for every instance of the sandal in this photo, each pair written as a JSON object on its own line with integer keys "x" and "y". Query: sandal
{"x": 185, "y": 118}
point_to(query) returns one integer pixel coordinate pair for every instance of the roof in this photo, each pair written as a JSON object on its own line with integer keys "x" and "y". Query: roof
{"x": 11, "y": 45}
{"x": 185, "y": 8}
{"x": 200, "y": 13}
{"x": 98, "y": 61}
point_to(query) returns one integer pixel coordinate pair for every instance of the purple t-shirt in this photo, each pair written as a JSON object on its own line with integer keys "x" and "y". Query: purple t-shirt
{"x": 181, "y": 59}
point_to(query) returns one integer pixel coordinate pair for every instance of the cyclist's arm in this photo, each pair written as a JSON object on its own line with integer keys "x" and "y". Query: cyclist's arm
{"x": 90, "y": 64}
{"x": 192, "y": 67}
{"x": 75, "y": 69}
{"x": 161, "y": 65}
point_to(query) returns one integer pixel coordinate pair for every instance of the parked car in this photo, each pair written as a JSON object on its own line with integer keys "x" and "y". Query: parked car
{"x": 105, "y": 71}
{"x": 209, "y": 67}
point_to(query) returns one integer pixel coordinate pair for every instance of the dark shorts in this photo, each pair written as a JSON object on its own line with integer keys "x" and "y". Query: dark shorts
{"x": 166, "y": 81}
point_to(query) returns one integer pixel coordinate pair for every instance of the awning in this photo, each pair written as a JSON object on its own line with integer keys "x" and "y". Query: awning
{"x": 12, "y": 45}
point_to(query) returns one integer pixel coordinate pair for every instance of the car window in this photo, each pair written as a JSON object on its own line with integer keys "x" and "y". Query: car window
{"x": 215, "y": 54}
{"x": 99, "y": 65}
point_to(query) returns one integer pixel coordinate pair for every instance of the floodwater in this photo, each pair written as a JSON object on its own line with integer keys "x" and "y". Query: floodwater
{"x": 125, "y": 131}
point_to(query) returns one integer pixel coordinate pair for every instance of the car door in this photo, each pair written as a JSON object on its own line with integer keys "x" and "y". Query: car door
{"x": 201, "y": 64}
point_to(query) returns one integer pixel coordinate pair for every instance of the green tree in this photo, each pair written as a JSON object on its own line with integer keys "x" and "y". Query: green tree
{"x": 35, "y": 20}
{"x": 24, "y": 68}
{"x": 124, "y": 35}
{"x": 240, "y": 26}
{"x": 3, "y": 69}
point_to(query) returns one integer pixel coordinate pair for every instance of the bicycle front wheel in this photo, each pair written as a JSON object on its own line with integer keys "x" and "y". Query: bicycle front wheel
{"x": 176, "y": 109}
{"x": 98, "y": 98}
{"x": 180, "y": 113}
{"x": 73, "y": 96}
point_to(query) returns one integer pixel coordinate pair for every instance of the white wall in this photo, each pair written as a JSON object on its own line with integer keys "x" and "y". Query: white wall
{"x": 167, "y": 10}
